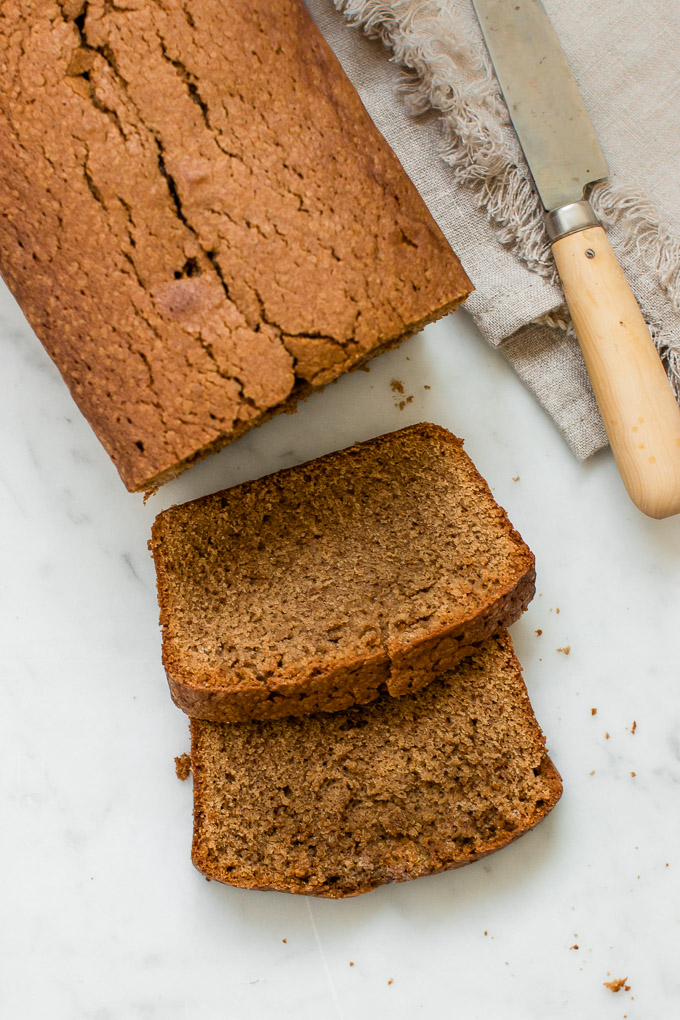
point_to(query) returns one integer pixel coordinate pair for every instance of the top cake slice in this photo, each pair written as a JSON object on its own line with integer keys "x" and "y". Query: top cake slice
{"x": 199, "y": 219}
{"x": 318, "y": 587}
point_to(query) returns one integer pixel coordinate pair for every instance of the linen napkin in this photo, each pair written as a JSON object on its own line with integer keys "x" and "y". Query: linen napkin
{"x": 422, "y": 71}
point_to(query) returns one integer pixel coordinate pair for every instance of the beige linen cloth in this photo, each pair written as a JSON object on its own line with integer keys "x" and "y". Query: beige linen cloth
{"x": 423, "y": 73}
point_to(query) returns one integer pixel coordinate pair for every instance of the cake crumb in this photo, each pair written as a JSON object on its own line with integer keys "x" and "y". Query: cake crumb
{"x": 284, "y": 940}
{"x": 633, "y": 727}
{"x": 391, "y": 981}
{"x": 426, "y": 387}
{"x": 539, "y": 632}
{"x": 606, "y": 735}
{"x": 565, "y": 650}
{"x": 486, "y": 932}
{"x": 633, "y": 774}
{"x": 617, "y": 985}
{"x": 183, "y": 766}
{"x": 402, "y": 405}
{"x": 397, "y": 386}
{"x": 593, "y": 711}
{"x": 575, "y": 946}
{"x": 557, "y": 610}
{"x": 592, "y": 773}
{"x": 516, "y": 479}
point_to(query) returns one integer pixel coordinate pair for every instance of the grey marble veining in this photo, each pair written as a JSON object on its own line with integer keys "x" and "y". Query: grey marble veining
{"x": 103, "y": 915}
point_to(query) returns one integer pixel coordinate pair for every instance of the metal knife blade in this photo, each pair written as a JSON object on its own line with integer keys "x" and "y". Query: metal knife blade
{"x": 553, "y": 126}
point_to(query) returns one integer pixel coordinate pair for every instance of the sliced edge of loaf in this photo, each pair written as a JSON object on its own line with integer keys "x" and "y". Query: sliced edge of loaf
{"x": 287, "y": 819}
{"x": 397, "y": 668}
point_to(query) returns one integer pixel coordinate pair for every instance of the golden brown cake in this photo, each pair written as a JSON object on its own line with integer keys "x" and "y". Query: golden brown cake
{"x": 198, "y": 217}
{"x": 335, "y": 805}
{"x": 318, "y": 587}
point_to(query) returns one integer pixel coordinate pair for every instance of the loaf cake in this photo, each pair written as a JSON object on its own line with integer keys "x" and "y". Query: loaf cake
{"x": 199, "y": 219}
{"x": 320, "y": 586}
{"x": 339, "y": 804}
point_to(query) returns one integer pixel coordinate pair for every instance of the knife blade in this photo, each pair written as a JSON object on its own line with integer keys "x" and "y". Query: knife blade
{"x": 638, "y": 408}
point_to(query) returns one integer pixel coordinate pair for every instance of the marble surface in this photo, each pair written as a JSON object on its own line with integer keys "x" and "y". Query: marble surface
{"x": 103, "y": 915}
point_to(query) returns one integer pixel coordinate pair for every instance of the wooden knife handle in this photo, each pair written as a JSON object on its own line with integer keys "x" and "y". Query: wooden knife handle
{"x": 638, "y": 408}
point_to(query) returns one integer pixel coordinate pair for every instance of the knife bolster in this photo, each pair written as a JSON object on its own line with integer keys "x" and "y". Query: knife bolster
{"x": 569, "y": 219}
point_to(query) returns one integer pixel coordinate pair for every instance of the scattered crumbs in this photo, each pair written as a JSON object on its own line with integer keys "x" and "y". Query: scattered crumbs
{"x": 575, "y": 946}
{"x": 539, "y": 632}
{"x": 183, "y": 766}
{"x": 593, "y": 711}
{"x": 351, "y": 963}
{"x": 397, "y": 386}
{"x": 606, "y": 735}
{"x": 516, "y": 479}
{"x": 617, "y": 985}
{"x": 402, "y": 405}
{"x": 633, "y": 727}
{"x": 666, "y": 866}
{"x": 557, "y": 610}
{"x": 486, "y": 932}
{"x": 633, "y": 774}
{"x": 592, "y": 773}
{"x": 565, "y": 650}
{"x": 426, "y": 387}
{"x": 391, "y": 981}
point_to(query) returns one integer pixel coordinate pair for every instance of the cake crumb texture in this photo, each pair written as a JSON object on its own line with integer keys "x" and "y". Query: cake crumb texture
{"x": 199, "y": 219}
{"x": 617, "y": 985}
{"x": 183, "y": 766}
{"x": 318, "y": 587}
{"x": 400, "y": 788}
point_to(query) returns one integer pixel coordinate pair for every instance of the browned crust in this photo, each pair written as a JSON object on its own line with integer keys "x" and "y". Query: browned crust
{"x": 398, "y": 669}
{"x": 181, "y": 309}
{"x": 300, "y": 393}
{"x": 203, "y": 861}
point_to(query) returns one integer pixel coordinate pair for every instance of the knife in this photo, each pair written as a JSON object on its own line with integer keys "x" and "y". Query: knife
{"x": 638, "y": 408}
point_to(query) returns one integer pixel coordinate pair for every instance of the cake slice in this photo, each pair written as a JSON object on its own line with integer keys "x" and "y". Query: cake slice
{"x": 335, "y": 805}
{"x": 319, "y": 587}
{"x": 199, "y": 219}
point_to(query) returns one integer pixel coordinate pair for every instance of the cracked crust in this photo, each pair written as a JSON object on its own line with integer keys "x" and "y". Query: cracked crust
{"x": 319, "y": 587}
{"x": 199, "y": 219}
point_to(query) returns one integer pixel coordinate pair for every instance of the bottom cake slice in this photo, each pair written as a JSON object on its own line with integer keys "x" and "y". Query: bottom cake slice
{"x": 335, "y": 805}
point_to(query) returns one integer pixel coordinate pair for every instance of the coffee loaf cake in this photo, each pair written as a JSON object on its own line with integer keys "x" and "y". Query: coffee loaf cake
{"x": 318, "y": 587}
{"x": 339, "y": 804}
{"x": 198, "y": 217}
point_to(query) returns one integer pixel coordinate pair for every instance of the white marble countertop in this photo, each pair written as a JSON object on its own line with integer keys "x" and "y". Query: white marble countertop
{"x": 103, "y": 915}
